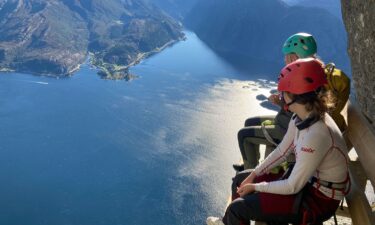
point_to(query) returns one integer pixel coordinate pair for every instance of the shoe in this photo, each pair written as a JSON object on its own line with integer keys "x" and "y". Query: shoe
{"x": 238, "y": 167}
{"x": 214, "y": 221}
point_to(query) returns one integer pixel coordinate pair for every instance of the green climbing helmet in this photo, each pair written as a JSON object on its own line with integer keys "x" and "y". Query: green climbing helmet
{"x": 302, "y": 44}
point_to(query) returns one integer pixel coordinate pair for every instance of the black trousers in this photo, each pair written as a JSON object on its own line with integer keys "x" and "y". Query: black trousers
{"x": 251, "y": 136}
{"x": 309, "y": 205}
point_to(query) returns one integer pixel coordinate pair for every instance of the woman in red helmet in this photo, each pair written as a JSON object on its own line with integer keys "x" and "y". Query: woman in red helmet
{"x": 255, "y": 131}
{"x": 311, "y": 193}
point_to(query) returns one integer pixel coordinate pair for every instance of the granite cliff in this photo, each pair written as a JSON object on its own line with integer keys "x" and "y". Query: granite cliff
{"x": 360, "y": 25}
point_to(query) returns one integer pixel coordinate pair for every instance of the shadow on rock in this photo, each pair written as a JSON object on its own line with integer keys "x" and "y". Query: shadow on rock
{"x": 261, "y": 97}
{"x": 270, "y": 106}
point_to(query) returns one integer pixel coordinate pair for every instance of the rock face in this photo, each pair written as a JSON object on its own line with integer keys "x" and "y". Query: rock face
{"x": 359, "y": 18}
{"x": 257, "y": 29}
{"x": 53, "y": 37}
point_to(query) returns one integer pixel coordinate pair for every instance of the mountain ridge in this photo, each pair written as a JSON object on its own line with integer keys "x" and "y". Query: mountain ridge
{"x": 257, "y": 29}
{"x": 54, "y": 37}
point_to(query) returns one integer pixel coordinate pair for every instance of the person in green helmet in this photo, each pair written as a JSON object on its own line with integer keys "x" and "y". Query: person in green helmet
{"x": 303, "y": 45}
{"x": 270, "y": 130}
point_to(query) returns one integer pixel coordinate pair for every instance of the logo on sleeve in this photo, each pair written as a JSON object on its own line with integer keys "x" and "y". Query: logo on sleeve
{"x": 309, "y": 150}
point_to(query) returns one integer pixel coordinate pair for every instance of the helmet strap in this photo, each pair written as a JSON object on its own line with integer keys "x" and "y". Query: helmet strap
{"x": 286, "y": 106}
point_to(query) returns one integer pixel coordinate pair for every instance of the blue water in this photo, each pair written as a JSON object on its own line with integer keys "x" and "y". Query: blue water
{"x": 87, "y": 151}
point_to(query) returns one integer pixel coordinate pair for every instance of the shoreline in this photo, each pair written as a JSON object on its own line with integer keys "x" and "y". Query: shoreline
{"x": 155, "y": 51}
{"x": 119, "y": 72}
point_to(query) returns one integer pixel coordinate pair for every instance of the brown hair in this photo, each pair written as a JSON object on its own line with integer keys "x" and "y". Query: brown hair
{"x": 318, "y": 102}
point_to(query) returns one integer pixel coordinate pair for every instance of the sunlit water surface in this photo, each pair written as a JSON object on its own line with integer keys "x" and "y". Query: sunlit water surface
{"x": 157, "y": 150}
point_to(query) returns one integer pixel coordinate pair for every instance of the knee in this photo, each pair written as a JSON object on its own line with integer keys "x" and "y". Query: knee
{"x": 236, "y": 181}
{"x": 242, "y": 210}
{"x": 239, "y": 211}
{"x": 240, "y": 134}
{"x": 245, "y": 132}
{"x": 239, "y": 177}
{"x": 236, "y": 206}
{"x": 252, "y": 121}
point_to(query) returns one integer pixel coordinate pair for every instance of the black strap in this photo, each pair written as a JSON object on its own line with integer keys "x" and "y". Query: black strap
{"x": 327, "y": 184}
{"x": 303, "y": 124}
{"x": 335, "y": 218}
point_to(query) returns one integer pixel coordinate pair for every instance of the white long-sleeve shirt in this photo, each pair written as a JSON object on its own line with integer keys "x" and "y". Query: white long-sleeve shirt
{"x": 320, "y": 151}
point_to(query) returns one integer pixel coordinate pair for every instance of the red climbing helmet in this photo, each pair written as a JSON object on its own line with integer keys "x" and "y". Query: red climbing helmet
{"x": 302, "y": 76}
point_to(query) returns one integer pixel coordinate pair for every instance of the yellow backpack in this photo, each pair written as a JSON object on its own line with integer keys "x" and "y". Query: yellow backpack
{"x": 339, "y": 84}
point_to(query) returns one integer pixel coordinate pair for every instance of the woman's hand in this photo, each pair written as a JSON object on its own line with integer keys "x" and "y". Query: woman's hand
{"x": 245, "y": 189}
{"x": 274, "y": 99}
{"x": 249, "y": 179}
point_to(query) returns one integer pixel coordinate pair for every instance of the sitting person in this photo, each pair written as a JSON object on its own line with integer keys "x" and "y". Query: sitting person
{"x": 297, "y": 47}
{"x": 319, "y": 180}
{"x": 300, "y": 45}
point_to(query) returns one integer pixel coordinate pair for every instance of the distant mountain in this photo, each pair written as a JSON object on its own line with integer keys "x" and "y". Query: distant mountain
{"x": 332, "y": 6}
{"x": 255, "y": 30}
{"x": 175, "y": 8}
{"x": 54, "y": 36}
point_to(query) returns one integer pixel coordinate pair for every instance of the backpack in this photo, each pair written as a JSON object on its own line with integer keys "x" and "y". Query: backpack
{"x": 339, "y": 84}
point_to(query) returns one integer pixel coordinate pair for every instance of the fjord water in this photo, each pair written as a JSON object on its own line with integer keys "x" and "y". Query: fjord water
{"x": 157, "y": 150}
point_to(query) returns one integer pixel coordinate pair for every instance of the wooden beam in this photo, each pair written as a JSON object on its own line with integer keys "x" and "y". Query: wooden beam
{"x": 343, "y": 212}
{"x": 362, "y": 136}
{"x": 358, "y": 205}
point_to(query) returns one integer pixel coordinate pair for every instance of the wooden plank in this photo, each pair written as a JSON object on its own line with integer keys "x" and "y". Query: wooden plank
{"x": 358, "y": 205}
{"x": 362, "y": 136}
{"x": 358, "y": 174}
{"x": 343, "y": 212}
